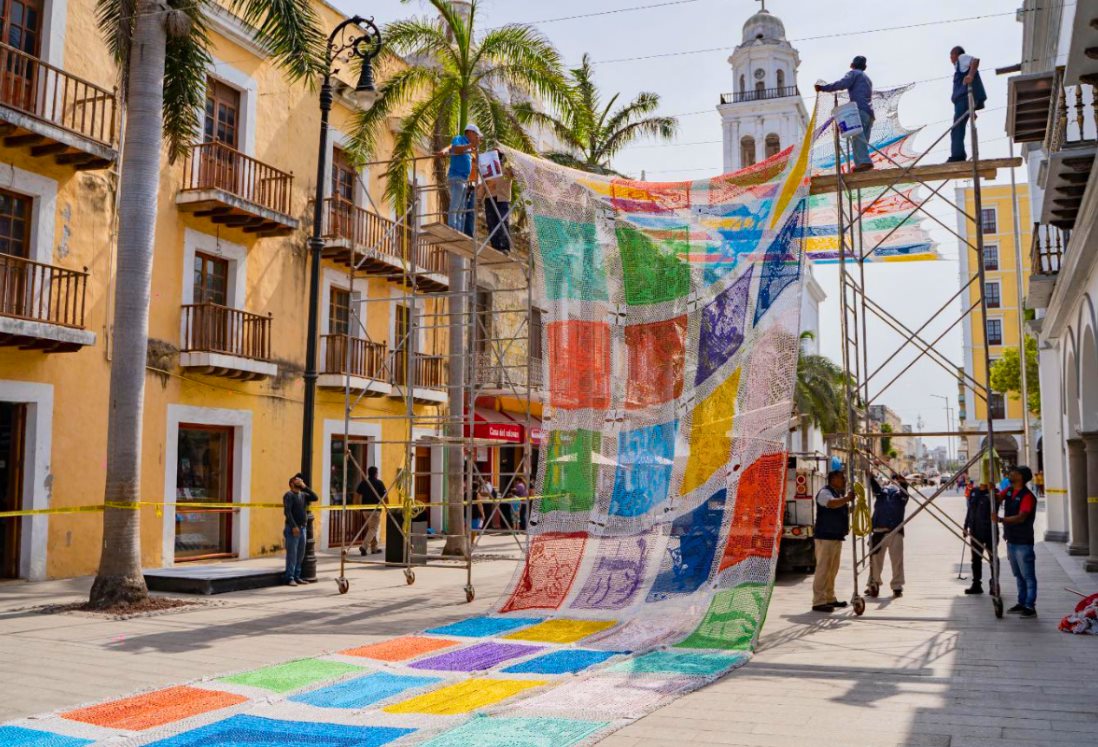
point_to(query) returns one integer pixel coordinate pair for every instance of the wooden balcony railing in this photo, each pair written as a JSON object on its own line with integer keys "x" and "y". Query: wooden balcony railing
{"x": 429, "y": 371}
{"x": 217, "y": 166}
{"x": 1049, "y": 243}
{"x": 212, "y": 328}
{"x": 42, "y": 293}
{"x": 352, "y": 356}
{"x": 759, "y": 95}
{"x": 59, "y": 98}
{"x": 368, "y": 230}
{"x": 1073, "y": 116}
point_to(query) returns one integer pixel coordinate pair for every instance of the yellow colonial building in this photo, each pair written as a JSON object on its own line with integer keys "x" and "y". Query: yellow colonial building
{"x": 997, "y": 223}
{"x": 223, "y": 408}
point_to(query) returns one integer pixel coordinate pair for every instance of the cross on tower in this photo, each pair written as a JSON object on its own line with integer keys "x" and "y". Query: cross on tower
{"x": 763, "y": 2}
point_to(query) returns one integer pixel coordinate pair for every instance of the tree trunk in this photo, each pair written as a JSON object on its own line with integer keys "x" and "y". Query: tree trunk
{"x": 119, "y": 580}
{"x": 456, "y": 491}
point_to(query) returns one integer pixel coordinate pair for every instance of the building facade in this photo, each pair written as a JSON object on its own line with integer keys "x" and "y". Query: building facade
{"x": 1001, "y": 268}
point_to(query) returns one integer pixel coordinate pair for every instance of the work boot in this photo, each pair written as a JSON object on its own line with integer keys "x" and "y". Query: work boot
{"x": 863, "y": 167}
{"x": 976, "y": 588}
{"x": 873, "y": 591}
{"x": 897, "y": 592}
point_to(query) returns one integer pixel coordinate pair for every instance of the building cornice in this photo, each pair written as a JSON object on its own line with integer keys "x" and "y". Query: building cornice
{"x": 1078, "y": 265}
{"x": 235, "y": 30}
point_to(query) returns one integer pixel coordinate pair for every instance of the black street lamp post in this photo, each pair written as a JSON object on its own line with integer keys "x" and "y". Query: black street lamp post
{"x": 354, "y": 39}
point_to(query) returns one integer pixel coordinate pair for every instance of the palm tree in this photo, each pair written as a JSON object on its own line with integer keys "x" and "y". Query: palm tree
{"x": 594, "y": 133}
{"x": 448, "y": 76}
{"x": 819, "y": 397}
{"x": 161, "y": 47}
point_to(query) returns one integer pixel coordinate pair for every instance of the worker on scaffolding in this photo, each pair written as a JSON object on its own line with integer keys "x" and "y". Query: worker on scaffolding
{"x": 966, "y": 77}
{"x": 832, "y": 525}
{"x": 889, "y": 506}
{"x": 860, "y": 89}
{"x": 460, "y": 176}
{"x": 1019, "y": 512}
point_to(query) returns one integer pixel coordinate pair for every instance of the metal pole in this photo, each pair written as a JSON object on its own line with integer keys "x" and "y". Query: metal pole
{"x": 1027, "y": 438}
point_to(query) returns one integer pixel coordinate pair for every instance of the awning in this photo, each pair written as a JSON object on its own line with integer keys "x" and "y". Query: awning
{"x": 496, "y": 426}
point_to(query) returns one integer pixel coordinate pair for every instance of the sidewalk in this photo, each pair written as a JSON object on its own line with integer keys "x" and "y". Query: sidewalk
{"x": 934, "y": 668}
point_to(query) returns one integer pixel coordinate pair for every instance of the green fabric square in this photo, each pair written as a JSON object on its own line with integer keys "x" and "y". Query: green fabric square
{"x": 732, "y": 620}
{"x": 516, "y": 732}
{"x": 681, "y": 662}
{"x": 651, "y": 272}
{"x": 572, "y": 259}
{"x": 293, "y": 675}
{"x": 571, "y": 471}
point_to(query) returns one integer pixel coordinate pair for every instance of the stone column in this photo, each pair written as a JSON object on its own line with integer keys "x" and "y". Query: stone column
{"x": 1077, "y": 497}
{"x": 1091, "y": 442}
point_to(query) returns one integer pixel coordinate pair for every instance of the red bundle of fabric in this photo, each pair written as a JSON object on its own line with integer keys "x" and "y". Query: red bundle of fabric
{"x": 1084, "y": 620}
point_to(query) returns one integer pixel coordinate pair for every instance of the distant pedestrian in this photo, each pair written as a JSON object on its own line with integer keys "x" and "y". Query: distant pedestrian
{"x": 966, "y": 77}
{"x": 462, "y": 152}
{"x": 832, "y": 525}
{"x": 1019, "y": 513}
{"x": 977, "y": 528}
{"x": 295, "y": 509}
{"x": 1039, "y": 483}
{"x": 371, "y": 491}
{"x": 860, "y": 89}
{"x": 889, "y": 506}
{"x": 520, "y": 491}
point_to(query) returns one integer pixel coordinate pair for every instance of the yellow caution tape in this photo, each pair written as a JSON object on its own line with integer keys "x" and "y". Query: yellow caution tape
{"x": 861, "y": 522}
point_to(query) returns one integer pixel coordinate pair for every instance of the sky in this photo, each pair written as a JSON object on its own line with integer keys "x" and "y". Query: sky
{"x": 686, "y": 45}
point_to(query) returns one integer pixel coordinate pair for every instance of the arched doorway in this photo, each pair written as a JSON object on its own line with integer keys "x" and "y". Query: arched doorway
{"x": 773, "y": 145}
{"x": 747, "y": 151}
{"x": 1006, "y": 446}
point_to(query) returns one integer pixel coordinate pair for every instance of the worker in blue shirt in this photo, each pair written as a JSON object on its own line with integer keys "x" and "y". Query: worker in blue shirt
{"x": 889, "y": 506}
{"x": 462, "y": 152}
{"x": 860, "y": 89}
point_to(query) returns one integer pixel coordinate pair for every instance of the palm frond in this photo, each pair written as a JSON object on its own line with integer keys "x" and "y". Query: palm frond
{"x": 395, "y": 93}
{"x": 290, "y": 29}
{"x": 115, "y": 19}
{"x": 663, "y": 128}
{"x": 186, "y": 65}
{"x": 641, "y": 106}
{"x": 415, "y": 131}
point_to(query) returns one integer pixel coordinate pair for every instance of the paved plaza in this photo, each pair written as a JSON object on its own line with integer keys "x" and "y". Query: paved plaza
{"x": 934, "y": 668}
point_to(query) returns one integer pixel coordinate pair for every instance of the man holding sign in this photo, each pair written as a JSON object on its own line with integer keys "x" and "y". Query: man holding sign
{"x": 498, "y": 182}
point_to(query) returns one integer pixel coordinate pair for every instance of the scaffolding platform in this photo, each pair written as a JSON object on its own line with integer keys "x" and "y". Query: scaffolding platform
{"x": 452, "y": 240}
{"x": 828, "y": 184}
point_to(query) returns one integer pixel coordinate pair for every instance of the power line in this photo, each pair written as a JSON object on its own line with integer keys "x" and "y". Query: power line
{"x": 615, "y": 11}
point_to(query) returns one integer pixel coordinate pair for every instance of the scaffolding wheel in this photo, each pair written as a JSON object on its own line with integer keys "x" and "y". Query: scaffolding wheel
{"x": 343, "y": 584}
{"x": 997, "y": 603}
{"x": 409, "y": 576}
{"x": 859, "y": 606}
{"x": 470, "y": 593}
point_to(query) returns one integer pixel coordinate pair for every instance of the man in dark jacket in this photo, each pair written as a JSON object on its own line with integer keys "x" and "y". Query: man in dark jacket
{"x": 1019, "y": 512}
{"x": 371, "y": 491}
{"x": 966, "y": 77}
{"x": 832, "y": 526}
{"x": 295, "y": 509}
{"x": 860, "y": 89}
{"x": 978, "y": 530}
{"x": 889, "y": 506}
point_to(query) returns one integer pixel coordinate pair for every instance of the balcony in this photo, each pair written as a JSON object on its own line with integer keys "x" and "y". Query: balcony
{"x": 512, "y": 379}
{"x": 42, "y": 306}
{"x": 1045, "y": 253}
{"x": 762, "y": 94}
{"x": 1029, "y": 106}
{"x": 232, "y": 343}
{"x": 359, "y": 238}
{"x": 55, "y": 114}
{"x": 355, "y": 363}
{"x": 429, "y": 374}
{"x": 231, "y": 189}
{"x": 1071, "y": 147}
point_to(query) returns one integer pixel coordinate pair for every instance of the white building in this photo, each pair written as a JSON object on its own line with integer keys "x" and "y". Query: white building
{"x": 1051, "y": 113}
{"x": 764, "y": 114}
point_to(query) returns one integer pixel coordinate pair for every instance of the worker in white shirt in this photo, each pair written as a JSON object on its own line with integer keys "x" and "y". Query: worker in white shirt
{"x": 966, "y": 76}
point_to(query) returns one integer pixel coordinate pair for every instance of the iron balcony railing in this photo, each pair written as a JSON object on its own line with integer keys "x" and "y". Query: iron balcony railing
{"x": 1047, "y": 248}
{"x": 367, "y": 230}
{"x": 428, "y": 371}
{"x": 353, "y": 356}
{"x": 39, "y": 292}
{"x": 212, "y": 328}
{"x": 761, "y": 94}
{"x": 512, "y": 375}
{"x": 218, "y": 166}
{"x": 50, "y": 94}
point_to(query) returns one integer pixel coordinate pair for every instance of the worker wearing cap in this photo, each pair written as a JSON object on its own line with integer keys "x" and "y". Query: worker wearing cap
{"x": 462, "y": 152}
{"x": 832, "y": 526}
{"x": 1019, "y": 511}
{"x": 966, "y": 77}
{"x": 860, "y": 89}
{"x": 978, "y": 530}
{"x": 889, "y": 506}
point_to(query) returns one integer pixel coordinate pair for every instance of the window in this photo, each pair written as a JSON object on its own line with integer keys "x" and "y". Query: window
{"x": 204, "y": 474}
{"x": 21, "y": 27}
{"x": 760, "y": 86}
{"x": 988, "y": 221}
{"x": 743, "y": 84}
{"x": 222, "y": 113}
{"x": 997, "y": 406}
{"x": 991, "y": 258}
{"x": 991, "y": 293}
{"x": 339, "y": 312}
{"x": 781, "y": 79}
{"x": 994, "y": 331}
{"x": 747, "y": 151}
{"x": 343, "y": 177}
{"x": 537, "y": 329}
{"x": 483, "y": 313}
{"x": 15, "y": 220}
{"x": 773, "y": 145}
{"x": 211, "y": 279}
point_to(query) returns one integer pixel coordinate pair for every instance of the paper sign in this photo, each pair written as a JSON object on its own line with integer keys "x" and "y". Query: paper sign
{"x": 490, "y": 167}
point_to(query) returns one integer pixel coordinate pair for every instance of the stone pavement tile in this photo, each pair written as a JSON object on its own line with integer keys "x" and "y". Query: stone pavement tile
{"x": 981, "y": 742}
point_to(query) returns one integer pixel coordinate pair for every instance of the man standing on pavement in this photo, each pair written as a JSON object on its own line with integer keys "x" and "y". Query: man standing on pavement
{"x": 371, "y": 491}
{"x": 978, "y": 530}
{"x": 966, "y": 76}
{"x": 889, "y": 505}
{"x": 462, "y": 151}
{"x": 861, "y": 93}
{"x": 295, "y": 509}
{"x": 832, "y": 525}
{"x": 1019, "y": 511}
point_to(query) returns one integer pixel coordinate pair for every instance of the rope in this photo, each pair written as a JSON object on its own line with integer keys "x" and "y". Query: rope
{"x": 861, "y": 522}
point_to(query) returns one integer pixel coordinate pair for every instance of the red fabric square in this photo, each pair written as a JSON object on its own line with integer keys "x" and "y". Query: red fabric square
{"x": 657, "y": 356}
{"x": 551, "y": 567}
{"x": 757, "y": 517}
{"x": 579, "y": 356}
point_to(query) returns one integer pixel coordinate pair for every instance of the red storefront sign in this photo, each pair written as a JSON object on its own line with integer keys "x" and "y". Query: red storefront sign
{"x": 495, "y": 426}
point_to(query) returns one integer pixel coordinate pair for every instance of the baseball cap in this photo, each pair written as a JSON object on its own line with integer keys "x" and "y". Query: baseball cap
{"x": 473, "y": 128}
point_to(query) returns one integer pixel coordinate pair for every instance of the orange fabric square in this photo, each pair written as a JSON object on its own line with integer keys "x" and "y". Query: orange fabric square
{"x": 579, "y": 354}
{"x": 155, "y": 709}
{"x": 551, "y": 567}
{"x": 400, "y": 649}
{"x": 757, "y": 516}
{"x": 657, "y": 357}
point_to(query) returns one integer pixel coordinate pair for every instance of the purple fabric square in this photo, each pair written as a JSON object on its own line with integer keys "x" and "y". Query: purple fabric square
{"x": 477, "y": 657}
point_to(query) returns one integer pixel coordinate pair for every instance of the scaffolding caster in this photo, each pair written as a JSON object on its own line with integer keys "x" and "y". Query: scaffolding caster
{"x": 470, "y": 593}
{"x": 343, "y": 584}
{"x": 409, "y": 576}
{"x": 997, "y": 603}
{"x": 858, "y": 604}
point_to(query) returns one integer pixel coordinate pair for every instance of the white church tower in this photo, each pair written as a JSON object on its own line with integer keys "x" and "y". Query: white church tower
{"x": 765, "y": 113}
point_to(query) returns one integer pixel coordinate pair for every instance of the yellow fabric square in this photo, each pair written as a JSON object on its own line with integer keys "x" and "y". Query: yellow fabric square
{"x": 561, "y": 631}
{"x": 464, "y": 697}
{"x": 711, "y": 434}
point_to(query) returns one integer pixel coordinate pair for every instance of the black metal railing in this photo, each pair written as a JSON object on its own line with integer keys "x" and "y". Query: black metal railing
{"x": 760, "y": 94}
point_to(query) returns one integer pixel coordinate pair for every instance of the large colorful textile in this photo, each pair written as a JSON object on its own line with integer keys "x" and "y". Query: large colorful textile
{"x": 671, "y": 325}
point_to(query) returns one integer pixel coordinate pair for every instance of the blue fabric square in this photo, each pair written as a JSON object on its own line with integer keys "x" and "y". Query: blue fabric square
{"x": 781, "y": 266}
{"x": 255, "y": 731}
{"x": 568, "y": 661}
{"x": 17, "y": 736}
{"x": 363, "y": 691}
{"x": 484, "y": 627}
{"x": 691, "y": 549}
{"x": 643, "y": 476}
{"x": 516, "y": 732}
